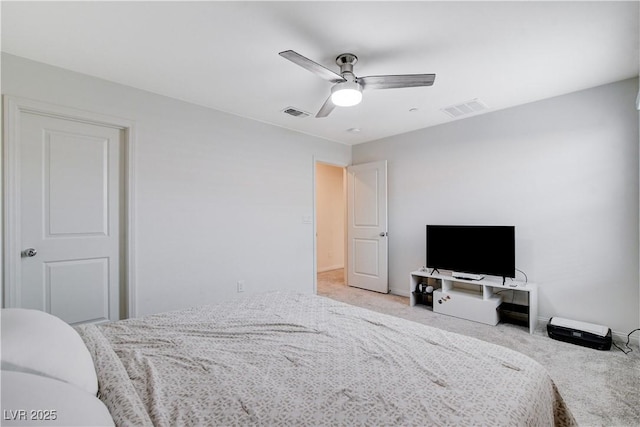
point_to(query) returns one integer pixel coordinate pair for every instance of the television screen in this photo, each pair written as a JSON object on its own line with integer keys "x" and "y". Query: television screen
{"x": 475, "y": 249}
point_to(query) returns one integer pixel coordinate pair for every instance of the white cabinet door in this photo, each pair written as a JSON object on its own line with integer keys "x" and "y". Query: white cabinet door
{"x": 70, "y": 178}
{"x": 367, "y": 226}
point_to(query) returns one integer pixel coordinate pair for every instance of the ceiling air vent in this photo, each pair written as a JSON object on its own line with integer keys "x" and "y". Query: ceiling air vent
{"x": 466, "y": 108}
{"x": 295, "y": 112}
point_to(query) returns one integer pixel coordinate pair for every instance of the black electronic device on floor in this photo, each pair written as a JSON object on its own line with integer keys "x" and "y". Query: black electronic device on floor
{"x": 580, "y": 333}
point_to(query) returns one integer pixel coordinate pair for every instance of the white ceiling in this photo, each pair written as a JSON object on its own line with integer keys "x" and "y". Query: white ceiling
{"x": 224, "y": 55}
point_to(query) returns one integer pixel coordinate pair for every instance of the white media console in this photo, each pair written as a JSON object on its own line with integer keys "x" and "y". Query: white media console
{"x": 473, "y": 299}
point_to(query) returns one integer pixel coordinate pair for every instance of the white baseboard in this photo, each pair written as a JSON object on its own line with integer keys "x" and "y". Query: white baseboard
{"x": 332, "y": 267}
{"x": 399, "y": 291}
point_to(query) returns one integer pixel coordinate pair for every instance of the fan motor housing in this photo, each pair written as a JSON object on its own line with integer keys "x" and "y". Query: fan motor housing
{"x": 346, "y": 61}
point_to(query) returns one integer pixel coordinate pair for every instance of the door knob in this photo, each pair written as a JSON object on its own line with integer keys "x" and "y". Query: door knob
{"x": 29, "y": 252}
{"x": 383, "y": 233}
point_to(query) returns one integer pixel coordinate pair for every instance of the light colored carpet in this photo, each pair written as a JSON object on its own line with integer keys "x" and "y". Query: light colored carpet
{"x": 602, "y": 388}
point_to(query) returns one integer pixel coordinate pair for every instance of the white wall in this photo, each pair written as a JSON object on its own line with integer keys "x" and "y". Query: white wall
{"x": 330, "y": 217}
{"x": 564, "y": 171}
{"x": 220, "y": 198}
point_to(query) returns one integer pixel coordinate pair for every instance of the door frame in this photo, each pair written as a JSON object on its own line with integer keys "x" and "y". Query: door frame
{"x": 14, "y": 107}
{"x": 342, "y": 165}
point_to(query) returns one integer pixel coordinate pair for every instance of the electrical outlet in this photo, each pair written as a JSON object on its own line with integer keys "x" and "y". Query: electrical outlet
{"x": 240, "y": 285}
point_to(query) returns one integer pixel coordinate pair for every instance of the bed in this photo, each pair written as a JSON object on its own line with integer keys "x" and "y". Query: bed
{"x": 283, "y": 359}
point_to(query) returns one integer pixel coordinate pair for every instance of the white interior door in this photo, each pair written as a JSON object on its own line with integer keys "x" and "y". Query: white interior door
{"x": 367, "y": 240}
{"x": 70, "y": 180}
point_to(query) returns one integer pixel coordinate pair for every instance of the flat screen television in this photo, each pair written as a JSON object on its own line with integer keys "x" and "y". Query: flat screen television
{"x": 473, "y": 249}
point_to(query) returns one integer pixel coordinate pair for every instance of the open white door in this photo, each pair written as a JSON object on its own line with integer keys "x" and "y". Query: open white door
{"x": 367, "y": 244}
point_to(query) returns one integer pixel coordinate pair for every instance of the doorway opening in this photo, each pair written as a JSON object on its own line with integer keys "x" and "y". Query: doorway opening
{"x": 331, "y": 209}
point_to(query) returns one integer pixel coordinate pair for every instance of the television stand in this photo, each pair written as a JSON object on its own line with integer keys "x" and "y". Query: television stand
{"x": 474, "y": 299}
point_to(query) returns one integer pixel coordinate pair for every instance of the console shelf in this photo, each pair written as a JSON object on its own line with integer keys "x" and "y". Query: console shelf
{"x": 473, "y": 299}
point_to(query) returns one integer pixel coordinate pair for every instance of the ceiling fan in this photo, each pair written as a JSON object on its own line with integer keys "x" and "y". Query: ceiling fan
{"x": 347, "y": 90}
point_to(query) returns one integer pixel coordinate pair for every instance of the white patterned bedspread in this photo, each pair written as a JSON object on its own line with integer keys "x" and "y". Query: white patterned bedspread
{"x": 292, "y": 360}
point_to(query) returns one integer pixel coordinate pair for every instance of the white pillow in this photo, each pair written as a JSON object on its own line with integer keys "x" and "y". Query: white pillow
{"x": 37, "y": 342}
{"x": 33, "y": 400}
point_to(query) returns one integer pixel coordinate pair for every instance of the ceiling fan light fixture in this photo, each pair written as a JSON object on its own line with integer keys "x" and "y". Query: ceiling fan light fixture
{"x": 347, "y": 88}
{"x": 346, "y": 94}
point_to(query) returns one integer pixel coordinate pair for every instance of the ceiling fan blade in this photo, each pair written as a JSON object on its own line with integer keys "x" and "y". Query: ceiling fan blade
{"x": 314, "y": 67}
{"x": 397, "y": 81}
{"x": 326, "y": 108}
